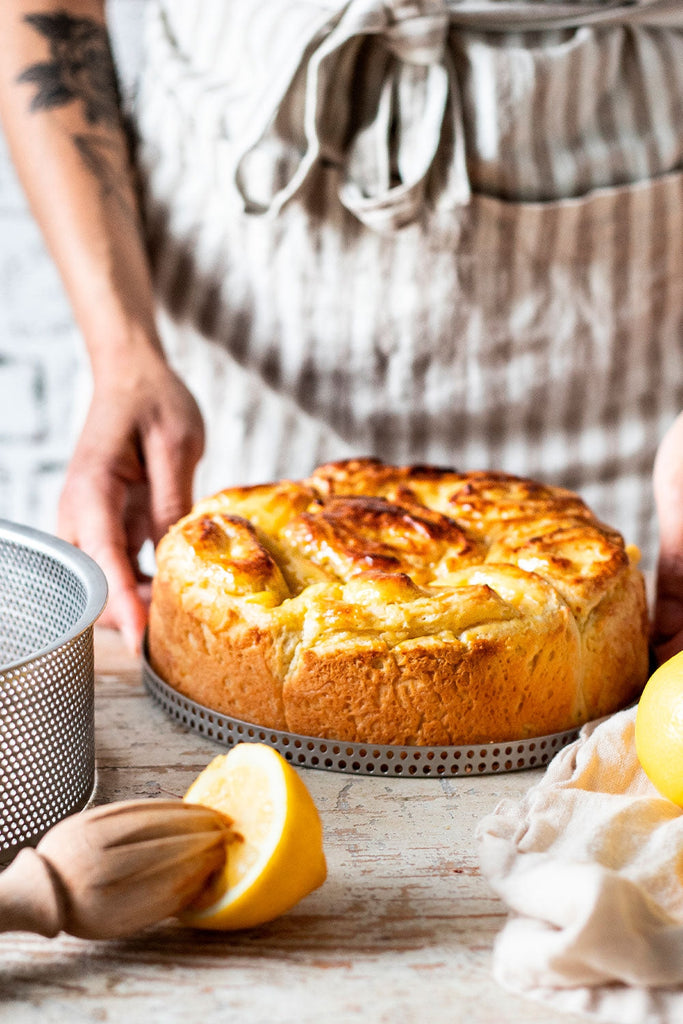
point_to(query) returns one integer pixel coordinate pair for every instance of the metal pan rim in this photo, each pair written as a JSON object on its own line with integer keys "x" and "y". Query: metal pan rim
{"x": 75, "y": 561}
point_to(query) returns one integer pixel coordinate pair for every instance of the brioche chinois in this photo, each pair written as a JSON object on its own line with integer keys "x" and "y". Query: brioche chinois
{"x": 403, "y": 605}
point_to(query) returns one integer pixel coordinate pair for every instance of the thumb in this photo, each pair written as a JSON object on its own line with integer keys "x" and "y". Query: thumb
{"x": 668, "y": 485}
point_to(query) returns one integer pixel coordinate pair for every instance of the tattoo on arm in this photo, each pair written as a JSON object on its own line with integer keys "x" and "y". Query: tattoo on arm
{"x": 80, "y": 69}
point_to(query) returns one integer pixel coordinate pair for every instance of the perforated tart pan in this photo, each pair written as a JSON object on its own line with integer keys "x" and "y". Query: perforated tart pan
{"x": 357, "y": 758}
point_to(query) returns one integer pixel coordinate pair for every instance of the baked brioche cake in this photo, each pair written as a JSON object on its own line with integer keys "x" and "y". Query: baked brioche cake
{"x": 403, "y": 605}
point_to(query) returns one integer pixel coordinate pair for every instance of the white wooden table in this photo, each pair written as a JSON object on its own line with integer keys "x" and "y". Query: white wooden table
{"x": 401, "y": 931}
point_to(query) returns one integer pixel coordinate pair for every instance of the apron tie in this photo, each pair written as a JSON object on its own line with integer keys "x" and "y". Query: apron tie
{"x": 392, "y": 54}
{"x": 374, "y": 94}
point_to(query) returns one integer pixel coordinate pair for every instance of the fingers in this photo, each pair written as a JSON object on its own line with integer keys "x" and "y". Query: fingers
{"x": 668, "y": 483}
{"x": 170, "y": 482}
{"x": 667, "y": 636}
{"x": 126, "y": 608}
{"x": 130, "y": 479}
{"x": 97, "y": 527}
{"x": 109, "y": 518}
{"x": 172, "y": 451}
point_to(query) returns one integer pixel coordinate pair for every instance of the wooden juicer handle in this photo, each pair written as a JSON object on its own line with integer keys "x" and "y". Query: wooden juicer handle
{"x": 113, "y": 870}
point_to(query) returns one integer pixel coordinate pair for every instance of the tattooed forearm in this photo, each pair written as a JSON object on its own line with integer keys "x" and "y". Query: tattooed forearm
{"x": 80, "y": 70}
{"x": 99, "y": 154}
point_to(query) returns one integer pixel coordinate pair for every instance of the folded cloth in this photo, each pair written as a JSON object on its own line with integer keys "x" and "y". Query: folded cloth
{"x": 590, "y": 863}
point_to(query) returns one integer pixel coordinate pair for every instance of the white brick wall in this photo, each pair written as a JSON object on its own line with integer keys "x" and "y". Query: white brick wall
{"x": 43, "y": 374}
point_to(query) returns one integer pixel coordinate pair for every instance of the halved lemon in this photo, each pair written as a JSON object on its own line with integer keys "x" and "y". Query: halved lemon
{"x": 277, "y": 857}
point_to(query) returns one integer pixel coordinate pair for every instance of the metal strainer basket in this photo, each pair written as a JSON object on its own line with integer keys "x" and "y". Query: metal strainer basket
{"x": 50, "y": 596}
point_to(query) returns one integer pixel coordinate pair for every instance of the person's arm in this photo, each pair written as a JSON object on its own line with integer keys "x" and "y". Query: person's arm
{"x": 131, "y": 473}
{"x": 668, "y": 484}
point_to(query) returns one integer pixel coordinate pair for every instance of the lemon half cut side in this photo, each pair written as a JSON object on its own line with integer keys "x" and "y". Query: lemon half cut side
{"x": 277, "y": 856}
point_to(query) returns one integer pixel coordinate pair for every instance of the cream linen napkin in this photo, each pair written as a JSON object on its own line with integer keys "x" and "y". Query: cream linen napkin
{"x": 590, "y": 863}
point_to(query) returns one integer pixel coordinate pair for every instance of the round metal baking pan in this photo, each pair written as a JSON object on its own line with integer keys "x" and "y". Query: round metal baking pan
{"x": 357, "y": 758}
{"x": 50, "y": 596}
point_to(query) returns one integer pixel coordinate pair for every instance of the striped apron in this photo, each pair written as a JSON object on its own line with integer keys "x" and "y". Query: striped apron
{"x": 430, "y": 230}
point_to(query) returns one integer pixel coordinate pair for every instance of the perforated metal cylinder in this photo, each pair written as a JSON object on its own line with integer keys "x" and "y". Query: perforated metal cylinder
{"x": 50, "y": 597}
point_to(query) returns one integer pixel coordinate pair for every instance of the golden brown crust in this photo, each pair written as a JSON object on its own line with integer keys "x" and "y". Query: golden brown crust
{"x": 243, "y": 674}
{"x": 407, "y": 605}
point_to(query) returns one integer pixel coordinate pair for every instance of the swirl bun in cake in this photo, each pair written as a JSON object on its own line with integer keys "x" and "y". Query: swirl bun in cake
{"x": 407, "y": 605}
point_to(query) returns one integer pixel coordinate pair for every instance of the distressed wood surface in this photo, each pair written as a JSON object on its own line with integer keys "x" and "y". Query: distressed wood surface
{"x": 401, "y": 931}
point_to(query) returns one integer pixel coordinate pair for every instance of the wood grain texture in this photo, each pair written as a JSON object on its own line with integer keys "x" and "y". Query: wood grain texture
{"x": 402, "y": 930}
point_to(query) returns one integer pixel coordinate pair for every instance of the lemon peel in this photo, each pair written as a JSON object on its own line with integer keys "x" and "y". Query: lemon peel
{"x": 659, "y": 729}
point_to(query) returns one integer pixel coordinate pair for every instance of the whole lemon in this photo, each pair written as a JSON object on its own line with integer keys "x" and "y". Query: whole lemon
{"x": 659, "y": 729}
